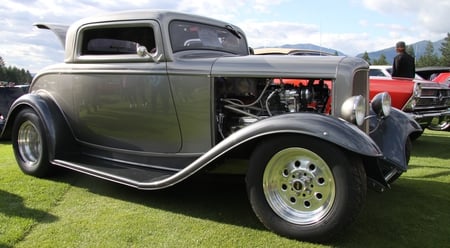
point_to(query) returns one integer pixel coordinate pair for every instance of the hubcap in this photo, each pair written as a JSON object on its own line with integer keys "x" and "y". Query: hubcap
{"x": 29, "y": 144}
{"x": 299, "y": 185}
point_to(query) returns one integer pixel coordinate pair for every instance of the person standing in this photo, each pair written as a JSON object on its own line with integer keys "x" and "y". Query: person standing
{"x": 404, "y": 64}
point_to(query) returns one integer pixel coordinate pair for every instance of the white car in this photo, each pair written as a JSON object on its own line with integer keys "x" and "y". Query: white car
{"x": 384, "y": 71}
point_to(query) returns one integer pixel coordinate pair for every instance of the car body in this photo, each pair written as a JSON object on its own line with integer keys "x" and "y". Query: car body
{"x": 8, "y": 94}
{"x": 439, "y": 74}
{"x": 150, "y": 98}
{"x": 384, "y": 71}
{"x": 428, "y": 102}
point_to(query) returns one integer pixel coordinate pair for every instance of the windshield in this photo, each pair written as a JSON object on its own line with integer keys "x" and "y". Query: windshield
{"x": 190, "y": 35}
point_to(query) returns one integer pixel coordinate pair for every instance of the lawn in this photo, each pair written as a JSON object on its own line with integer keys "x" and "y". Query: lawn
{"x": 74, "y": 210}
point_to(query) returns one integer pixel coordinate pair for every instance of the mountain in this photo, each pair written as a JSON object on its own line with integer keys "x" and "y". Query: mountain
{"x": 419, "y": 50}
{"x": 309, "y": 46}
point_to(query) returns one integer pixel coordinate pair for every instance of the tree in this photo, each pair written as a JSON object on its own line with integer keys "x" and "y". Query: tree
{"x": 445, "y": 50}
{"x": 13, "y": 74}
{"x": 429, "y": 58}
{"x": 2, "y": 62}
{"x": 381, "y": 61}
{"x": 366, "y": 57}
{"x": 410, "y": 51}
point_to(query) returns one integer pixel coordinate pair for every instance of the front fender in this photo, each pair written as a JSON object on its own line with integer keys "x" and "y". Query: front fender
{"x": 324, "y": 127}
{"x": 328, "y": 128}
{"x": 391, "y": 134}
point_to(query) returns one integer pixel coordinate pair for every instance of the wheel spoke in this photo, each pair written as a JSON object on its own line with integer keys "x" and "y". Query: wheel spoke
{"x": 299, "y": 186}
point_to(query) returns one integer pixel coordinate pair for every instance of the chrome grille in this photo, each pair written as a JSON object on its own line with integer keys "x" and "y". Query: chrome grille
{"x": 361, "y": 87}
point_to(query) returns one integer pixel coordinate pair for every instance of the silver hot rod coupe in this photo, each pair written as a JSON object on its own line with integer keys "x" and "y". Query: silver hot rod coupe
{"x": 150, "y": 98}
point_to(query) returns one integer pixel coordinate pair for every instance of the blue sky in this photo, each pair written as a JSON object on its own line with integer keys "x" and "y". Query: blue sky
{"x": 349, "y": 26}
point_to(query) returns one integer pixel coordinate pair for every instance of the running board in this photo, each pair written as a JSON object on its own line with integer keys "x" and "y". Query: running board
{"x": 135, "y": 176}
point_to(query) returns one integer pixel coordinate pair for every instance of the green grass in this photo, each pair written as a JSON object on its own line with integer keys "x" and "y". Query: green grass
{"x": 74, "y": 210}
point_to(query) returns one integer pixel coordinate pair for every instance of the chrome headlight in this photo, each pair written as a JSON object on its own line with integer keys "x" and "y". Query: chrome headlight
{"x": 354, "y": 110}
{"x": 417, "y": 92}
{"x": 381, "y": 104}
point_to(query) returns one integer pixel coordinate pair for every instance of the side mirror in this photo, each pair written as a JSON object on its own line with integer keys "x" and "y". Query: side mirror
{"x": 142, "y": 52}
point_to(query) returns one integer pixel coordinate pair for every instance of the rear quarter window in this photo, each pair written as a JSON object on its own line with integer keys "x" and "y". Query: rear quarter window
{"x": 116, "y": 40}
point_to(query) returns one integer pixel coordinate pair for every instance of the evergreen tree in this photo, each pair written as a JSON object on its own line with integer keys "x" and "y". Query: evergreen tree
{"x": 14, "y": 74}
{"x": 366, "y": 57}
{"x": 429, "y": 58}
{"x": 445, "y": 50}
{"x": 410, "y": 50}
{"x": 381, "y": 61}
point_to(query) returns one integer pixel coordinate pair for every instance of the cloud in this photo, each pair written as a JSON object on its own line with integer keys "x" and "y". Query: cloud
{"x": 431, "y": 16}
{"x": 266, "y": 23}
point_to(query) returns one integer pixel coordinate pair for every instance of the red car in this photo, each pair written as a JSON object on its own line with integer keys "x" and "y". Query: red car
{"x": 440, "y": 75}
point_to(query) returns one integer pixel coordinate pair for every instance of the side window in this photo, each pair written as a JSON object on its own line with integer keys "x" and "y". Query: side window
{"x": 376, "y": 73}
{"x": 116, "y": 40}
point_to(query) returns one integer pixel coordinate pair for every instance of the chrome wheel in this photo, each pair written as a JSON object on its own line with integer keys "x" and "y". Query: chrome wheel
{"x": 28, "y": 140}
{"x": 299, "y": 186}
{"x": 305, "y": 188}
{"x": 29, "y": 143}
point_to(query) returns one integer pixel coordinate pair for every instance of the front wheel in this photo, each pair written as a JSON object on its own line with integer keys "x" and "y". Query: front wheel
{"x": 305, "y": 188}
{"x": 30, "y": 147}
{"x": 440, "y": 124}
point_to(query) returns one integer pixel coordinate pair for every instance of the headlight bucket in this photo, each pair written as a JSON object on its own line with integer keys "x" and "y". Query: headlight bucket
{"x": 417, "y": 91}
{"x": 381, "y": 104}
{"x": 354, "y": 110}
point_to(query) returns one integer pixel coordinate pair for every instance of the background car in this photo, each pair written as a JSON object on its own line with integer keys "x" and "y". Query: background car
{"x": 8, "y": 94}
{"x": 440, "y": 75}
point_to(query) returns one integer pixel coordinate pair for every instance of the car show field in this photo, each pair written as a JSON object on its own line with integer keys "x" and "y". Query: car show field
{"x": 74, "y": 210}
{"x": 164, "y": 129}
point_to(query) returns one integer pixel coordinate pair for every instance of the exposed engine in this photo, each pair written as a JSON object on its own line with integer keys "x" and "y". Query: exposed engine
{"x": 243, "y": 101}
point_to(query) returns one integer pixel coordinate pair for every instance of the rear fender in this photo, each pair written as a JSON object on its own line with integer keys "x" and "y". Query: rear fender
{"x": 58, "y": 136}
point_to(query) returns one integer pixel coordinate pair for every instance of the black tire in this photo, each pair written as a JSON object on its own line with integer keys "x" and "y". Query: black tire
{"x": 29, "y": 143}
{"x": 305, "y": 188}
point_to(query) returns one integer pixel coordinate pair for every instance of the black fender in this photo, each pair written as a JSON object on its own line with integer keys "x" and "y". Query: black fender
{"x": 331, "y": 129}
{"x": 391, "y": 134}
{"x": 58, "y": 135}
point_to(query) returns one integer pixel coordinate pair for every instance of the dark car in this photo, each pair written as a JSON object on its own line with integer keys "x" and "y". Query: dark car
{"x": 8, "y": 94}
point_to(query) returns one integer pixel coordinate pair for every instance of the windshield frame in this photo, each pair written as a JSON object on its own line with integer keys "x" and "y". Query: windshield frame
{"x": 188, "y": 35}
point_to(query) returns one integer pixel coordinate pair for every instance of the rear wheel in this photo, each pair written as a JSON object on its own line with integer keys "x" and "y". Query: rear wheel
{"x": 30, "y": 147}
{"x": 305, "y": 188}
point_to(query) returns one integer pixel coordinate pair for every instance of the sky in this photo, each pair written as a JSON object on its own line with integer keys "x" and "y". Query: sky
{"x": 349, "y": 26}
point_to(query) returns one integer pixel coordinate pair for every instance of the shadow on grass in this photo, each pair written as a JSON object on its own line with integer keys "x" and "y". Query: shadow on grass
{"x": 13, "y": 205}
{"x": 414, "y": 213}
{"x": 439, "y": 144}
{"x": 218, "y": 198}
